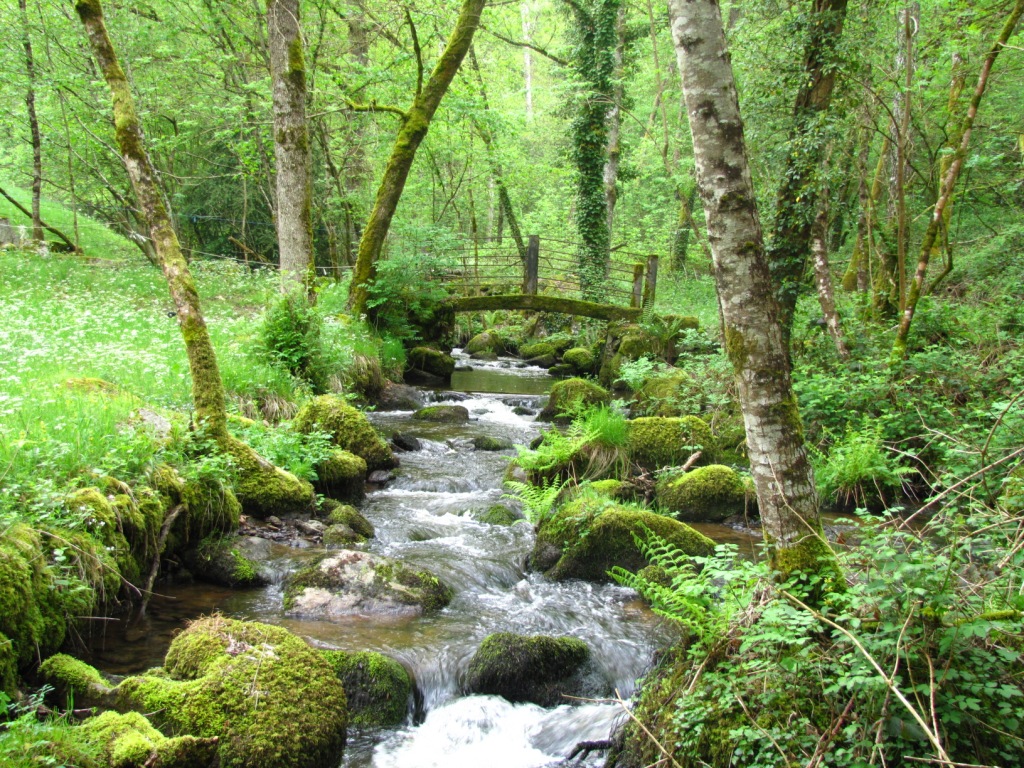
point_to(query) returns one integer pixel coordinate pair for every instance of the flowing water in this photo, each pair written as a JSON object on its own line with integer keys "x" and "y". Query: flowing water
{"x": 424, "y": 518}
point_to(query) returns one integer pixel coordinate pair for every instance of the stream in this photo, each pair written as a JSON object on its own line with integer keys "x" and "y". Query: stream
{"x": 423, "y": 518}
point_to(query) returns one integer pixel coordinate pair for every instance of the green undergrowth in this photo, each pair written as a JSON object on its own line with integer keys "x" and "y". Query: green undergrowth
{"x": 920, "y": 652}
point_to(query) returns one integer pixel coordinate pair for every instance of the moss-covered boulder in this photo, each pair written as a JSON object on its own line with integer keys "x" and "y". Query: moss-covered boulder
{"x": 351, "y": 582}
{"x": 342, "y": 476}
{"x": 346, "y": 514}
{"x": 671, "y": 394}
{"x": 488, "y": 443}
{"x": 270, "y": 699}
{"x": 589, "y": 536}
{"x": 349, "y": 429}
{"x": 129, "y": 740}
{"x": 8, "y": 666}
{"x": 74, "y": 681}
{"x": 218, "y": 559}
{"x": 499, "y": 514}
{"x": 446, "y": 414}
{"x": 36, "y": 605}
{"x": 398, "y": 397}
{"x": 108, "y": 525}
{"x": 655, "y": 442}
{"x": 266, "y": 490}
{"x": 705, "y": 495}
{"x": 538, "y": 350}
{"x": 537, "y": 669}
{"x": 428, "y": 366}
{"x": 581, "y": 359}
{"x": 378, "y": 688}
{"x": 210, "y": 506}
{"x": 569, "y": 396}
{"x": 340, "y": 535}
{"x": 486, "y": 342}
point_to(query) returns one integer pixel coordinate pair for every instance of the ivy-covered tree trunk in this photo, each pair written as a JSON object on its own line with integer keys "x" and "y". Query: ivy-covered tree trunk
{"x": 33, "y": 124}
{"x": 291, "y": 145}
{"x": 611, "y": 166}
{"x": 797, "y": 201}
{"x": 262, "y": 488}
{"x": 593, "y": 30}
{"x": 750, "y": 312}
{"x": 415, "y": 123}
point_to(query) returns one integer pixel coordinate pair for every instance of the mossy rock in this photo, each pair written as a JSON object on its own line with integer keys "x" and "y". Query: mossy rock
{"x": 637, "y": 343}
{"x": 74, "y": 681}
{"x": 428, "y": 366}
{"x": 342, "y": 476}
{"x": 488, "y": 443}
{"x": 571, "y": 395}
{"x": 671, "y": 395}
{"x": 378, "y": 688}
{"x": 499, "y": 514}
{"x": 488, "y": 341}
{"x": 263, "y": 489}
{"x": 217, "y": 559}
{"x": 562, "y": 371}
{"x": 589, "y": 536}
{"x": 270, "y": 699}
{"x": 580, "y": 358}
{"x": 537, "y": 350}
{"x": 340, "y": 535}
{"x": 35, "y": 605}
{"x": 129, "y": 740}
{"x": 610, "y": 489}
{"x": 351, "y": 582}
{"x": 346, "y": 514}
{"x": 445, "y": 414}
{"x": 349, "y": 429}
{"x": 102, "y": 520}
{"x": 537, "y": 669}
{"x": 704, "y": 495}
{"x": 655, "y": 442}
{"x": 8, "y": 667}
{"x": 210, "y": 507}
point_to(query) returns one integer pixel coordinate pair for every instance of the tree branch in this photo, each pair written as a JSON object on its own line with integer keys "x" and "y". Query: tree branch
{"x": 523, "y": 44}
{"x": 416, "y": 49}
{"x": 373, "y": 106}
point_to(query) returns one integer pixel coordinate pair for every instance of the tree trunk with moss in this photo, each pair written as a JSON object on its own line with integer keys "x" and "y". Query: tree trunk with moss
{"x": 750, "y": 312}
{"x": 262, "y": 487}
{"x": 797, "y": 202}
{"x": 33, "y": 125}
{"x": 291, "y": 145}
{"x": 413, "y": 130}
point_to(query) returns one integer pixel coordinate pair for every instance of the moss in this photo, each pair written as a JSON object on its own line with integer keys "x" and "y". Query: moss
{"x": 272, "y": 701}
{"x": 488, "y": 443}
{"x": 580, "y": 358}
{"x": 499, "y": 514}
{"x": 344, "y": 514}
{"x": 569, "y": 396}
{"x": 218, "y": 560}
{"x": 537, "y": 350}
{"x": 342, "y": 475}
{"x": 811, "y": 556}
{"x": 264, "y": 489}
{"x": 608, "y": 488}
{"x": 130, "y": 741}
{"x": 341, "y": 535}
{"x": 521, "y": 668}
{"x": 707, "y": 494}
{"x": 349, "y": 429}
{"x": 378, "y": 688}
{"x": 105, "y": 524}
{"x": 670, "y": 395}
{"x": 74, "y": 679}
{"x": 447, "y": 414}
{"x": 488, "y": 341}
{"x": 656, "y": 442}
{"x": 589, "y": 536}
{"x": 735, "y": 348}
{"x": 638, "y": 343}
{"x": 8, "y": 666}
{"x": 358, "y": 582}
{"x": 210, "y": 506}
{"x": 436, "y": 365}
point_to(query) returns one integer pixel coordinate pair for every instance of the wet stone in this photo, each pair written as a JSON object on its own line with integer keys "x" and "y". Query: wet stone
{"x": 404, "y": 442}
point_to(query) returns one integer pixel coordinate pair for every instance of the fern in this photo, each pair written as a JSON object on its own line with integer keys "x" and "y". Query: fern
{"x": 537, "y": 500}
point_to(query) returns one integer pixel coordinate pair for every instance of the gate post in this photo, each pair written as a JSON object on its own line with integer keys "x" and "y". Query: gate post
{"x": 531, "y": 268}
{"x": 638, "y": 285}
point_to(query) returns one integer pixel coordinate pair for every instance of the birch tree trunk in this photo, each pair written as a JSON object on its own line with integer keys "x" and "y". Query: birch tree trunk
{"x": 413, "y": 130}
{"x": 291, "y": 145}
{"x": 611, "y": 166}
{"x": 823, "y": 278}
{"x": 262, "y": 488}
{"x": 527, "y": 60}
{"x": 750, "y": 311}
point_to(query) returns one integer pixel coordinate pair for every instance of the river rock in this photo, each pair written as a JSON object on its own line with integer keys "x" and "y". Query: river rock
{"x": 429, "y": 367}
{"x": 399, "y": 397}
{"x": 499, "y": 514}
{"x": 312, "y": 528}
{"x": 207, "y": 687}
{"x": 346, "y": 514}
{"x": 654, "y": 442}
{"x": 223, "y": 560}
{"x": 488, "y": 443}
{"x": 588, "y": 537}
{"x": 378, "y": 688}
{"x": 448, "y": 414}
{"x": 380, "y": 477}
{"x": 566, "y": 397}
{"x": 537, "y": 669}
{"x": 351, "y": 582}
{"x": 342, "y": 476}
{"x": 404, "y": 442}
